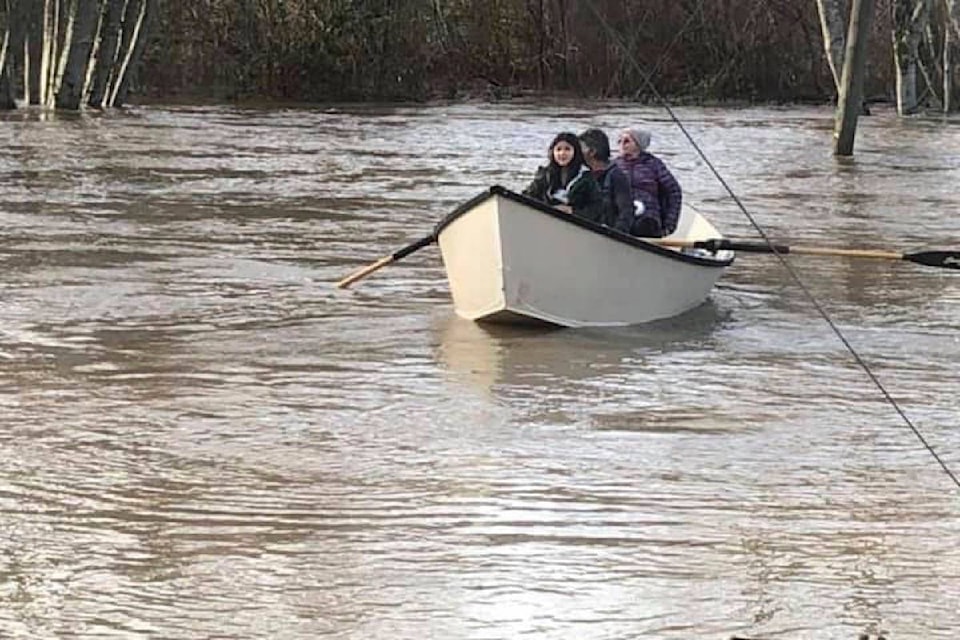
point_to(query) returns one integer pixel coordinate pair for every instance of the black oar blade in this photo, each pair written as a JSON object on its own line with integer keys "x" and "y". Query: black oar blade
{"x": 942, "y": 259}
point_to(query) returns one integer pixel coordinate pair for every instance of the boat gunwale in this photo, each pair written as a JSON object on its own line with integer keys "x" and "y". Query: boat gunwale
{"x": 613, "y": 234}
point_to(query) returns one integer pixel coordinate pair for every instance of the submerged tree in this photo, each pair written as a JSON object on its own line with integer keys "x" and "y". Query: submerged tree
{"x": 833, "y": 25}
{"x": 6, "y": 94}
{"x": 951, "y": 36}
{"x": 67, "y": 53}
{"x": 911, "y": 19}
{"x": 923, "y": 35}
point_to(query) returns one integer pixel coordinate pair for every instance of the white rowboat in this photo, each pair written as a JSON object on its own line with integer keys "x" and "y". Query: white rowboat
{"x": 512, "y": 259}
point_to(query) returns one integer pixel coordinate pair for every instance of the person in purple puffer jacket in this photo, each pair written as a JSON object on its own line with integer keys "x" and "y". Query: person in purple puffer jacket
{"x": 656, "y": 193}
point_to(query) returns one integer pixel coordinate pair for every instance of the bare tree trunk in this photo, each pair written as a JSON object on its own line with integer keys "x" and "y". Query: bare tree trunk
{"x": 26, "y": 67}
{"x": 108, "y": 47}
{"x": 5, "y": 25}
{"x": 85, "y": 26}
{"x": 953, "y": 15}
{"x": 951, "y": 32}
{"x": 94, "y": 56}
{"x": 910, "y": 19}
{"x": 564, "y": 46}
{"x": 69, "y": 19}
{"x": 66, "y": 20}
{"x": 833, "y": 24}
{"x": 133, "y": 39}
{"x": 51, "y": 48}
{"x": 947, "y": 70}
{"x": 33, "y": 52}
{"x": 6, "y": 87}
{"x": 14, "y": 72}
{"x": 850, "y": 100}
{"x": 47, "y": 37}
{"x": 541, "y": 46}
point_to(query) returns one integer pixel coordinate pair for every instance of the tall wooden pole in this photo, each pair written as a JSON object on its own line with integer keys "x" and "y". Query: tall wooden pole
{"x": 850, "y": 100}
{"x": 947, "y": 68}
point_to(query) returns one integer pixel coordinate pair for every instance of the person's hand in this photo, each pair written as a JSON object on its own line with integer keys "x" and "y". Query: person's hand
{"x": 565, "y": 208}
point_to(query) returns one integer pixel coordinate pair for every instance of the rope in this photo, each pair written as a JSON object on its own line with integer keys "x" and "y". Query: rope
{"x": 763, "y": 234}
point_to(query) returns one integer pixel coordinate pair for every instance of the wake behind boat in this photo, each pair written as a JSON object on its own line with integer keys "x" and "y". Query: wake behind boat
{"x": 512, "y": 259}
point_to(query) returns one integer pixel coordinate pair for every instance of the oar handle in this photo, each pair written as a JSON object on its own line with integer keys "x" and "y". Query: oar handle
{"x": 941, "y": 259}
{"x": 364, "y": 272}
{"x": 850, "y": 253}
{"x": 723, "y": 244}
{"x": 384, "y": 261}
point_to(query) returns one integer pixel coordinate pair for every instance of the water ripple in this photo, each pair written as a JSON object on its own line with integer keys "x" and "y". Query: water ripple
{"x": 203, "y": 438}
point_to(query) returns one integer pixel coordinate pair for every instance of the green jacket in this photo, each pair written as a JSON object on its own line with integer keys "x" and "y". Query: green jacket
{"x": 582, "y": 193}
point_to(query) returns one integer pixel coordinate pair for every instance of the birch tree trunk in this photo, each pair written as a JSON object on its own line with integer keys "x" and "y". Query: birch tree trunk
{"x": 66, "y": 53}
{"x": 5, "y": 26}
{"x": 85, "y": 32}
{"x": 107, "y": 52}
{"x": 6, "y": 88}
{"x": 134, "y": 27}
{"x": 951, "y": 33}
{"x": 953, "y": 16}
{"x": 833, "y": 25}
{"x": 67, "y": 19}
{"x": 48, "y": 39}
{"x": 910, "y": 20}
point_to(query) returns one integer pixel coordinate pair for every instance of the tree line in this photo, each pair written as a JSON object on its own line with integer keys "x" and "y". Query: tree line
{"x": 420, "y": 49}
{"x": 699, "y": 50}
{"x": 387, "y": 50}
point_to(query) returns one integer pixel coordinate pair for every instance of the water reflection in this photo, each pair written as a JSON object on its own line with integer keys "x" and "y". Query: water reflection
{"x": 503, "y": 361}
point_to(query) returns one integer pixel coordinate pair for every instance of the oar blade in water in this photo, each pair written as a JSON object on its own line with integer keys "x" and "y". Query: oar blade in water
{"x": 943, "y": 259}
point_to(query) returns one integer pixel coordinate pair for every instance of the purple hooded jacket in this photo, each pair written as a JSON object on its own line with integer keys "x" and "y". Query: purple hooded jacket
{"x": 653, "y": 184}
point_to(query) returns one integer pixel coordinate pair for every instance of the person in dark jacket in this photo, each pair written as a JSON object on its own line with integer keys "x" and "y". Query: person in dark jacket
{"x": 656, "y": 193}
{"x": 616, "y": 200}
{"x": 566, "y": 183}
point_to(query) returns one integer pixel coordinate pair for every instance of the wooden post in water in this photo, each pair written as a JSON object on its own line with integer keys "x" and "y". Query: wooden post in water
{"x": 850, "y": 100}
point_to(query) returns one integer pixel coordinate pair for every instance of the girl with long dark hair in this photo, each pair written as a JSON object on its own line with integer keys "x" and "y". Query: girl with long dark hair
{"x": 566, "y": 183}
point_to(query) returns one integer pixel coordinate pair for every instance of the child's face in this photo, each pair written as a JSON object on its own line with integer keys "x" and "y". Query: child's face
{"x": 562, "y": 153}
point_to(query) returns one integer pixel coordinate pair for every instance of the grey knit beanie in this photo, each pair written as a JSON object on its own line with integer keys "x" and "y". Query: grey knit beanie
{"x": 640, "y": 136}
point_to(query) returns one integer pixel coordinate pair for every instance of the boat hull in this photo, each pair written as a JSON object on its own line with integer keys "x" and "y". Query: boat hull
{"x": 510, "y": 259}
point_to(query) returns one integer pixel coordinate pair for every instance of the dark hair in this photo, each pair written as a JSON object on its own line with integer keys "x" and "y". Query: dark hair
{"x": 573, "y": 168}
{"x": 598, "y": 141}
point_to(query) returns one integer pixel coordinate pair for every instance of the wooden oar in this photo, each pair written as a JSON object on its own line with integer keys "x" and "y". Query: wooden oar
{"x": 941, "y": 259}
{"x": 384, "y": 261}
